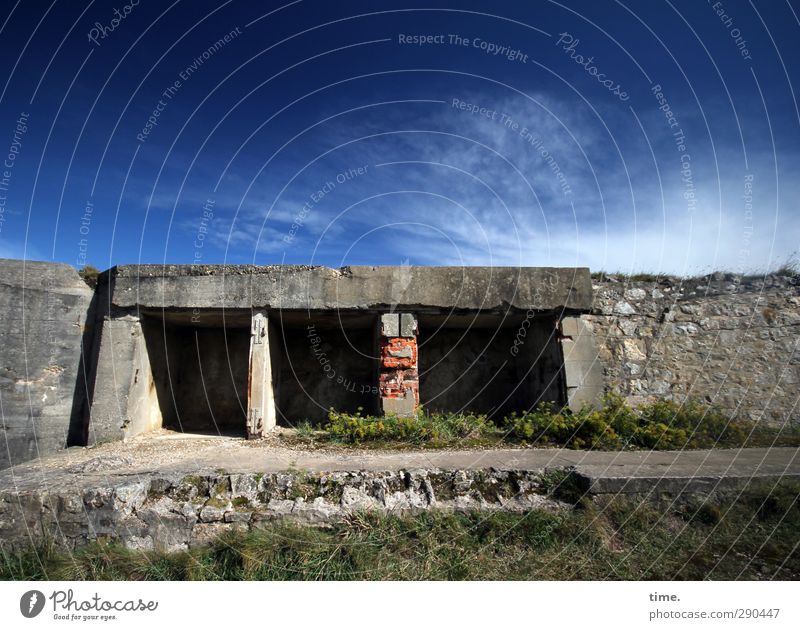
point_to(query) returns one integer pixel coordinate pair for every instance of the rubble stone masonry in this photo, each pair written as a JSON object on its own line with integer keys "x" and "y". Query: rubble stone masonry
{"x": 722, "y": 339}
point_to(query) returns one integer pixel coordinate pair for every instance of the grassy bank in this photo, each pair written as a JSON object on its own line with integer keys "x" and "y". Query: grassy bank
{"x": 753, "y": 536}
{"x": 662, "y": 425}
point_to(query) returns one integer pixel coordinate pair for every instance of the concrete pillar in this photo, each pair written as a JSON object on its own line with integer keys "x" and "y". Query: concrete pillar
{"x": 398, "y": 378}
{"x": 261, "y": 416}
{"x": 583, "y": 372}
{"x": 125, "y": 402}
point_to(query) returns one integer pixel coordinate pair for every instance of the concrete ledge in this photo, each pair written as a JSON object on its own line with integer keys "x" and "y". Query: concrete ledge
{"x": 674, "y": 486}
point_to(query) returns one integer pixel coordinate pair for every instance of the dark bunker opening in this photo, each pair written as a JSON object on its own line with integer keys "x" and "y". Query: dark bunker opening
{"x": 323, "y": 361}
{"x": 200, "y": 373}
{"x": 489, "y": 363}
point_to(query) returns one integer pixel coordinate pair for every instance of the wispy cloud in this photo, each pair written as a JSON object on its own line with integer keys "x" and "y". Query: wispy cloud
{"x": 528, "y": 181}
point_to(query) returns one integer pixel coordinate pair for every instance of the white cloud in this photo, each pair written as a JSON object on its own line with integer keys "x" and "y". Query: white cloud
{"x": 455, "y": 201}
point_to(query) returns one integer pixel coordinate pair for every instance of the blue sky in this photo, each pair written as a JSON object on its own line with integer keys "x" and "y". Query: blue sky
{"x": 658, "y": 136}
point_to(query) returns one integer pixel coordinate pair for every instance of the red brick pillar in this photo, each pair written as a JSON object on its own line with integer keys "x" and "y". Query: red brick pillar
{"x": 398, "y": 381}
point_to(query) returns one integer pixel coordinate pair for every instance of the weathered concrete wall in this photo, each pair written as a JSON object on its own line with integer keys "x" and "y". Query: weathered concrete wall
{"x": 583, "y": 371}
{"x": 227, "y": 294}
{"x": 43, "y": 310}
{"x": 725, "y": 341}
{"x": 121, "y": 377}
{"x": 304, "y": 287}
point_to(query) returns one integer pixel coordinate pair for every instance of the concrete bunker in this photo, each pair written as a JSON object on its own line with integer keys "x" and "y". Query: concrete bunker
{"x": 199, "y": 371}
{"x": 235, "y": 350}
{"x": 90, "y": 365}
{"x": 491, "y": 363}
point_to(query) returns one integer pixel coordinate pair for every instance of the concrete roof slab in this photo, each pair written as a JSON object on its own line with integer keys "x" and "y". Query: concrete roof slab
{"x": 357, "y": 287}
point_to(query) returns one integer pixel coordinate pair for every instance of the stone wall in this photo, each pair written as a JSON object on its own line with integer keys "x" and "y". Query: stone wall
{"x": 170, "y": 514}
{"x": 722, "y": 339}
{"x": 43, "y": 310}
{"x": 102, "y": 499}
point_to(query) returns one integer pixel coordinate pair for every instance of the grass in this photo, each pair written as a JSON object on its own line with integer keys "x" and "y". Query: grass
{"x": 635, "y": 277}
{"x": 90, "y": 275}
{"x": 661, "y": 425}
{"x": 752, "y": 536}
{"x": 789, "y": 268}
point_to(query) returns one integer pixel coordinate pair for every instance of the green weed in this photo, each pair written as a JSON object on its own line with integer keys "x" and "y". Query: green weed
{"x": 749, "y": 536}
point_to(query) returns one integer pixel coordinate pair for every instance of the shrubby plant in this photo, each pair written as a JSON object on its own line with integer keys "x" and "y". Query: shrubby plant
{"x": 660, "y": 425}
{"x": 356, "y": 428}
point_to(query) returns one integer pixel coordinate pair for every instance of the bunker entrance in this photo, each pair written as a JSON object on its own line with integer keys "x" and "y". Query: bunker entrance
{"x": 471, "y": 363}
{"x": 322, "y": 361}
{"x": 200, "y": 371}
